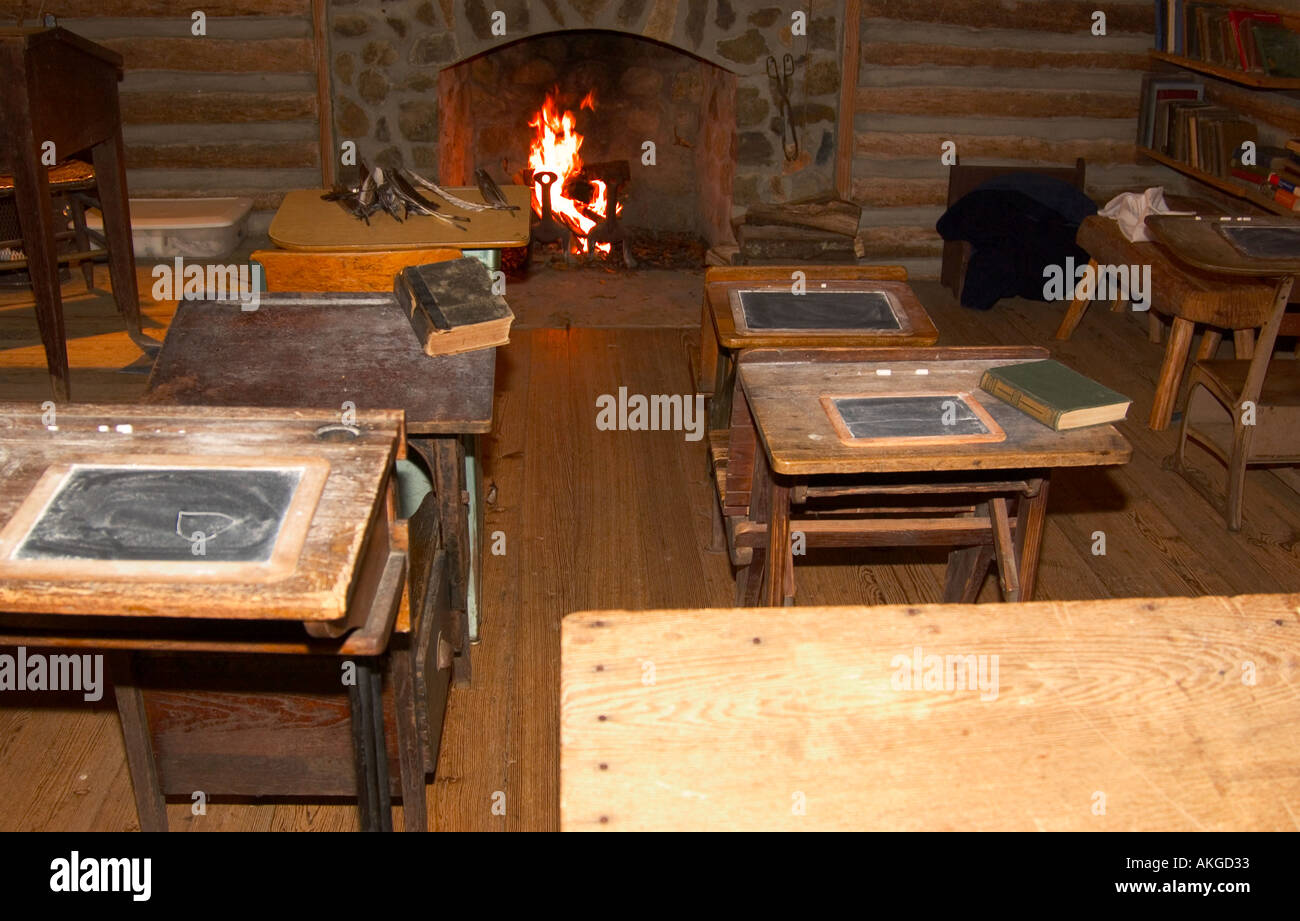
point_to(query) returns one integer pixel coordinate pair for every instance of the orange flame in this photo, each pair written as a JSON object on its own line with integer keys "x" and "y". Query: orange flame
{"x": 555, "y": 149}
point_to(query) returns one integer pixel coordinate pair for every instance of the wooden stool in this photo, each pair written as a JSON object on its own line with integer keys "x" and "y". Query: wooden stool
{"x": 1186, "y": 295}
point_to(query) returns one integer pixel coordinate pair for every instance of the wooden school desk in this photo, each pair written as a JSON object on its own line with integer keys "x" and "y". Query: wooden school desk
{"x": 230, "y": 676}
{"x": 802, "y": 457}
{"x": 1189, "y": 296}
{"x": 58, "y": 87}
{"x": 721, "y": 338}
{"x": 1119, "y": 715}
{"x": 1219, "y": 391}
{"x": 325, "y": 350}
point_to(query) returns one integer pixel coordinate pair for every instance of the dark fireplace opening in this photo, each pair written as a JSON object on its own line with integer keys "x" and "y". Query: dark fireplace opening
{"x": 632, "y": 107}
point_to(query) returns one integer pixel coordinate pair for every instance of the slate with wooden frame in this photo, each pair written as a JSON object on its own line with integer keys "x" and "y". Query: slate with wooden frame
{"x": 125, "y": 517}
{"x": 191, "y": 635}
{"x": 826, "y": 308}
{"x": 910, "y": 419}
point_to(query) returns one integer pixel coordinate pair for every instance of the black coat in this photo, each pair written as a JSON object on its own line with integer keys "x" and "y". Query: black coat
{"x": 1017, "y": 225}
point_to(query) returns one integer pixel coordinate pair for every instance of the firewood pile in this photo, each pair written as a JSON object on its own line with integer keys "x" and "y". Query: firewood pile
{"x": 824, "y": 229}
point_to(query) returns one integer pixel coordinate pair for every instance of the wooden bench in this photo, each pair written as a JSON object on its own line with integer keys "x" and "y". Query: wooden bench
{"x": 1166, "y": 714}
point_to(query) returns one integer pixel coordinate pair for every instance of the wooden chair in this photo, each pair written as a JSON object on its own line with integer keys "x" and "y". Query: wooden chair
{"x": 976, "y": 517}
{"x": 302, "y": 270}
{"x": 1220, "y": 399}
{"x": 964, "y": 179}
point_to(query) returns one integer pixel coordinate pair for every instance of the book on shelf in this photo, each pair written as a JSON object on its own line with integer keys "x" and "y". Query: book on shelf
{"x": 1157, "y": 88}
{"x": 1279, "y": 50}
{"x": 1176, "y": 120}
{"x": 1246, "y": 40}
{"x": 1059, "y": 397}
{"x": 451, "y": 306}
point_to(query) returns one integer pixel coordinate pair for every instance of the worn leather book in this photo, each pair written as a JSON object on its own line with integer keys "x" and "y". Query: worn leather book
{"x": 452, "y": 308}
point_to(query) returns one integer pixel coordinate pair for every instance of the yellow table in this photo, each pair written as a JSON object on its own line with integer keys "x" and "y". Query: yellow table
{"x": 305, "y": 222}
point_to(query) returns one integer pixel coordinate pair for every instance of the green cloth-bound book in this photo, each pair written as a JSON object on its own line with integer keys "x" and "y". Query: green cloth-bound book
{"x": 1055, "y": 395}
{"x": 1279, "y": 50}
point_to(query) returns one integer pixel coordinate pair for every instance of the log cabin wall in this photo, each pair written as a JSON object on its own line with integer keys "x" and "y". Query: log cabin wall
{"x": 232, "y": 113}
{"x": 1009, "y": 81}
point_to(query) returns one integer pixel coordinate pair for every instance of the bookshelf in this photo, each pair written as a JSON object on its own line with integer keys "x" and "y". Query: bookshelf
{"x": 1243, "y": 78}
{"x": 1220, "y": 89}
{"x": 1240, "y": 190}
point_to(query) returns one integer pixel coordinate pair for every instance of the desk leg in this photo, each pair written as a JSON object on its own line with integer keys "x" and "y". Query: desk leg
{"x": 1031, "y": 521}
{"x": 708, "y": 351}
{"x": 369, "y": 755}
{"x": 149, "y": 805}
{"x": 964, "y": 577}
{"x": 764, "y": 581}
{"x": 778, "y": 578}
{"x": 110, "y": 180}
{"x": 410, "y": 748}
{"x": 1243, "y": 341}
{"x": 749, "y": 581}
{"x": 445, "y": 456}
{"x": 1003, "y": 548}
{"x": 35, "y": 217}
{"x": 1074, "y": 313}
{"x": 1171, "y": 373}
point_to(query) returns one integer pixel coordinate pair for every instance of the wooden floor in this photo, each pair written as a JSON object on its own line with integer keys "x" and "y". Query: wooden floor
{"x": 619, "y": 520}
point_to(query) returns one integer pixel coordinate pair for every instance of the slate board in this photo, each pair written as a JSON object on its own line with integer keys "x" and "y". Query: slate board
{"x": 152, "y": 513}
{"x": 837, "y": 310}
{"x": 911, "y": 418}
{"x": 1263, "y": 242}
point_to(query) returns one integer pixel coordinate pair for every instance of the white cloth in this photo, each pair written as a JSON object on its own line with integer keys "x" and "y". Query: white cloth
{"x": 1130, "y": 210}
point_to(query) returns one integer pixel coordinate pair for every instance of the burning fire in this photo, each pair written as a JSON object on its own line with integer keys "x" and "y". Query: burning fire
{"x": 555, "y": 147}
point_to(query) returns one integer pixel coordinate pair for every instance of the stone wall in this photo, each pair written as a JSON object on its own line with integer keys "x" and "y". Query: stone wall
{"x": 386, "y": 63}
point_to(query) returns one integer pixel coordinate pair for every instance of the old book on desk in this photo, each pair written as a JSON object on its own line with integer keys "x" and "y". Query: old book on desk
{"x": 1055, "y": 395}
{"x": 452, "y": 308}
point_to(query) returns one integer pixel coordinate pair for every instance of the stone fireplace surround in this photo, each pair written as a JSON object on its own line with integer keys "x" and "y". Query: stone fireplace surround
{"x": 393, "y": 74}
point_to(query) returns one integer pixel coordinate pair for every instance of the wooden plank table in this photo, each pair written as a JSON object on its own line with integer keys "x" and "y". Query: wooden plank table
{"x": 190, "y": 645}
{"x": 56, "y": 87}
{"x": 784, "y": 389}
{"x": 1165, "y": 714}
{"x": 324, "y": 350}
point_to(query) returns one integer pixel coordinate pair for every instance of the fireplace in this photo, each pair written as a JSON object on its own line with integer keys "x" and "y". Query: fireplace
{"x": 646, "y": 111}
{"x": 446, "y": 87}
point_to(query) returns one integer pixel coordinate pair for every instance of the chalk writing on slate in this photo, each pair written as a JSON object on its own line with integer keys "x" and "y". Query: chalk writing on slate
{"x": 815, "y": 310}
{"x": 1263, "y": 242}
{"x": 157, "y": 514}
